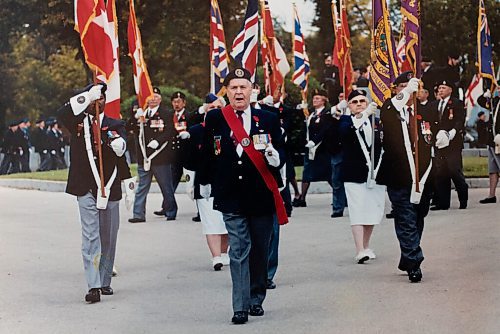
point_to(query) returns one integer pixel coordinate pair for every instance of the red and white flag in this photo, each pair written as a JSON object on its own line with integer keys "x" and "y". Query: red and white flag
{"x": 142, "y": 82}
{"x": 97, "y": 25}
{"x": 474, "y": 91}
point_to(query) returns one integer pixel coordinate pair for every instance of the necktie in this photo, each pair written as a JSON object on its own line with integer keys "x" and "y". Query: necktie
{"x": 412, "y": 125}
{"x": 95, "y": 132}
{"x": 441, "y": 109}
{"x": 240, "y": 118}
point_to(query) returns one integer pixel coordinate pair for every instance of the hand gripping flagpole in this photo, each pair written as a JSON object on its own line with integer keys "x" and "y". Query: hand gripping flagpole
{"x": 99, "y": 146}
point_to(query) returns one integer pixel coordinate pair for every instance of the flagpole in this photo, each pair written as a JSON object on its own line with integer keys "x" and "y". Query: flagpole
{"x": 415, "y": 135}
{"x": 99, "y": 146}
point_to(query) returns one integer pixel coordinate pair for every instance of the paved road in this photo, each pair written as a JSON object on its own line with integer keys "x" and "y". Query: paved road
{"x": 166, "y": 285}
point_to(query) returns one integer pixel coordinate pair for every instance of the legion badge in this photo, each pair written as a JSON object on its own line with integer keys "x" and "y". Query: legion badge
{"x": 217, "y": 145}
{"x": 245, "y": 142}
{"x": 239, "y": 73}
{"x": 426, "y": 131}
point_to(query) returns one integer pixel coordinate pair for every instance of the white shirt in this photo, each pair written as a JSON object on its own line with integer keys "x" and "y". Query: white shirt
{"x": 179, "y": 113}
{"x": 152, "y": 111}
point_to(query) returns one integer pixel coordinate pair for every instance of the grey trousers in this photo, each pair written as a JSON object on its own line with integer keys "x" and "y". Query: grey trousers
{"x": 99, "y": 233}
{"x": 249, "y": 238}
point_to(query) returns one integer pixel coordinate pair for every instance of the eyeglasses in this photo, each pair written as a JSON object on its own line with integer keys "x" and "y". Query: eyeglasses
{"x": 357, "y": 101}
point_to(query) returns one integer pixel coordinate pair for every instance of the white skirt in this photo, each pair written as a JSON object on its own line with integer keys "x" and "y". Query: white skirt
{"x": 365, "y": 205}
{"x": 211, "y": 220}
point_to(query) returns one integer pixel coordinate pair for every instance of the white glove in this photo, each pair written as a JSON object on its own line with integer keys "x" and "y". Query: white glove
{"x": 53, "y": 152}
{"x": 95, "y": 93}
{"x": 487, "y": 94}
{"x": 21, "y": 152}
{"x": 129, "y": 185}
{"x": 272, "y": 156}
{"x": 336, "y": 113}
{"x": 62, "y": 149}
{"x": 497, "y": 139}
{"x": 139, "y": 113}
{"x": 452, "y": 134}
{"x": 303, "y": 105}
{"x": 153, "y": 144}
{"x": 310, "y": 144}
{"x": 412, "y": 86}
{"x": 442, "y": 139}
{"x": 184, "y": 135}
{"x": 202, "y": 109}
{"x": 371, "y": 109}
{"x": 205, "y": 191}
{"x": 119, "y": 146}
{"x": 44, "y": 151}
{"x": 268, "y": 100}
{"x": 342, "y": 105}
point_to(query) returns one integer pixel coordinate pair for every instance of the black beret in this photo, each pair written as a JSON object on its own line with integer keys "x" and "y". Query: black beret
{"x": 14, "y": 123}
{"x": 50, "y": 121}
{"x": 25, "y": 120}
{"x": 40, "y": 120}
{"x": 178, "y": 95}
{"x": 211, "y": 98}
{"x": 355, "y": 93}
{"x": 156, "y": 90}
{"x": 481, "y": 113}
{"x": 426, "y": 59}
{"x": 403, "y": 78}
{"x": 237, "y": 73}
{"x": 320, "y": 92}
{"x": 446, "y": 83}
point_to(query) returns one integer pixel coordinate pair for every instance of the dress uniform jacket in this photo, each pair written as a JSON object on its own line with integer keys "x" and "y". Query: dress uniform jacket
{"x": 354, "y": 166}
{"x": 453, "y": 117}
{"x": 319, "y": 128}
{"x": 237, "y": 185}
{"x": 394, "y": 168}
{"x": 160, "y": 128}
{"x": 195, "y": 155}
{"x": 39, "y": 139}
{"x": 178, "y": 151}
{"x": 80, "y": 178}
{"x": 493, "y": 126}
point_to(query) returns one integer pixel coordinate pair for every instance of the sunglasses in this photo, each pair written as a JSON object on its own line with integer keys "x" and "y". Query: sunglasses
{"x": 357, "y": 101}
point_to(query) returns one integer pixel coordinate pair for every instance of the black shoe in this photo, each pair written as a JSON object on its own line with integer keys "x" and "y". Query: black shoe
{"x": 196, "y": 218}
{"x": 488, "y": 200}
{"x": 137, "y": 220}
{"x": 415, "y": 275}
{"x": 463, "y": 206}
{"x": 240, "y": 317}
{"x": 160, "y": 213}
{"x": 170, "y": 218}
{"x": 390, "y": 215}
{"x": 93, "y": 296}
{"x": 336, "y": 215}
{"x": 256, "y": 311}
{"x": 270, "y": 285}
{"x": 107, "y": 291}
{"x": 437, "y": 208}
{"x": 295, "y": 202}
{"x": 300, "y": 203}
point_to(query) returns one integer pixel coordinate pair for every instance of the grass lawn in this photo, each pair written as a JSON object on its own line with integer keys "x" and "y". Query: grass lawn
{"x": 473, "y": 167}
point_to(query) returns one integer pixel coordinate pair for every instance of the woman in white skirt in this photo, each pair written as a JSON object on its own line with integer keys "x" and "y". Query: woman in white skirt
{"x": 361, "y": 147}
{"x": 212, "y": 223}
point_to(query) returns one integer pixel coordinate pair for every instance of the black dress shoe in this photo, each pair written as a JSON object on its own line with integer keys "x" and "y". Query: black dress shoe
{"x": 93, "y": 296}
{"x": 256, "y": 311}
{"x": 196, "y": 218}
{"x": 437, "y": 208}
{"x": 240, "y": 317}
{"x": 390, "y": 215}
{"x": 170, "y": 218}
{"x": 300, "y": 203}
{"x": 463, "y": 206}
{"x": 107, "y": 291}
{"x": 488, "y": 200}
{"x": 336, "y": 215}
{"x": 270, "y": 285}
{"x": 415, "y": 275}
{"x": 295, "y": 202}
{"x": 137, "y": 220}
{"x": 160, "y": 213}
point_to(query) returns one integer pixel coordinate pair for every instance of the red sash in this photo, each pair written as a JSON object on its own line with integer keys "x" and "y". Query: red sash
{"x": 258, "y": 161}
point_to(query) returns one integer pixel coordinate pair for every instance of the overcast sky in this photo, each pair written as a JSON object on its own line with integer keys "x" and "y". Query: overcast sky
{"x": 282, "y": 10}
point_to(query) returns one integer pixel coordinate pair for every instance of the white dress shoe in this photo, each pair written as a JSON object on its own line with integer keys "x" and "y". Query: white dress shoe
{"x": 217, "y": 263}
{"x": 361, "y": 257}
{"x": 370, "y": 253}
{"x": 225, "y": 259}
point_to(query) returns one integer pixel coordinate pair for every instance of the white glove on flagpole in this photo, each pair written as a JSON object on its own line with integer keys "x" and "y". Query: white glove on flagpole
{"x": 400, "y": 100}
{"x": 139, "y": 113}
{"x": 81, "y": 101}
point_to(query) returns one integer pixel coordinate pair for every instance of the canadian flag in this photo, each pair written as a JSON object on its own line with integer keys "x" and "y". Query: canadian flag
{"x": 97, "y": 25}
{"x": 474, "y": 91}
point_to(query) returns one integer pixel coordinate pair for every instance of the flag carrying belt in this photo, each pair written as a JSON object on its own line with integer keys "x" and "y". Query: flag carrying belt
{"x": 258, "y": 161}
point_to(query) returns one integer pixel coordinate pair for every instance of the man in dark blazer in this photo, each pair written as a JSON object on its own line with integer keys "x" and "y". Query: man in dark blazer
{"x": 99, "y": 213}
{"x": 155, "y": 131}
{"x": 244, "y": 154}
{"x": 449, "y": 144}
{"x": 397, "y": 171}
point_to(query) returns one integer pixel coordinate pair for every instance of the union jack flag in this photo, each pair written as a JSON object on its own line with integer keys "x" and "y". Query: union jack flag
{"x": 244, "y": 49}
{"x": 218, "y": 53}
{"x": 301, "y": 61}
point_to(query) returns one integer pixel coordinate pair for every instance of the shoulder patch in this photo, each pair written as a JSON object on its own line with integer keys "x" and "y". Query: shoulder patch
{"x": 400, "y": 96}
{"x": 80, "y": 99}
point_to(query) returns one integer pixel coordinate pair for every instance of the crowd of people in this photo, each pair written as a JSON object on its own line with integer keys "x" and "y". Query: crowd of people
{"x": 237, "y": 156}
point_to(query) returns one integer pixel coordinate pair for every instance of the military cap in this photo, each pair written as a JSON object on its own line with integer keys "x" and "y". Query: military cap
{"x": 25, "y": 120}
{"x": 426, "y": 59}
{"x": 156, "y": 90}
{"x": 403, "y": 78}
{"x": 178, "y": 95}
{"x": 356, "y": 93}
{"x": 211, "y": 98}
{"x": 481, "y": 113}
{"x": 446, "y": 82}
{"x": 238, "y": 73}
{"x": 14, "y": 123}
{"x": 320, "y": 92}
{"x": 39, "y": 120}
{"x": 50, "y": 121}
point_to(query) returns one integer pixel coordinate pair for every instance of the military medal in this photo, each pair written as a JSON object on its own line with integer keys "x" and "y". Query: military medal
{"x": 245, "y": 142}
{"x": 450, "y": 115}
{"x": 261, "y": 141}
{"x": 256, "y": 119}
{"x": 217, "y": 146}
{"x": 426, "y": 131}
